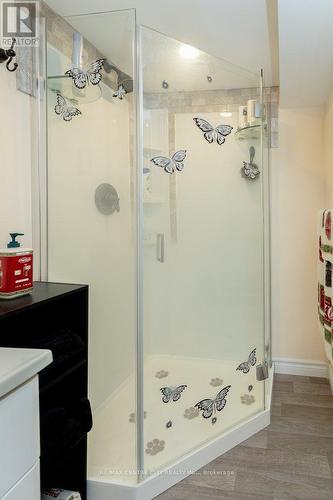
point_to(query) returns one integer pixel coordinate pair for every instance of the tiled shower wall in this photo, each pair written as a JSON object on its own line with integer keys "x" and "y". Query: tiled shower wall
{"x": 218, "y": 101}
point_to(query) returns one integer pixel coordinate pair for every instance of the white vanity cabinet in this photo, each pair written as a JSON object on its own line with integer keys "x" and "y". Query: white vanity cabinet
{"x": 27, "y": 488}
{"x": 19, "y": 422}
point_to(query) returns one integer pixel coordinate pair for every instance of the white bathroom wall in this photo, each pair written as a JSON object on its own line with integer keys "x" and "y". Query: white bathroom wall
{"x": 328, "y": 151}
{"x": 205, "y": 300}
{"x": 16, "y": 158}
{"x": 156, "y": 216}
{"x": 86, "y": 246}
{"x": 220, "y": 245}
{"x": 297, "y": 193}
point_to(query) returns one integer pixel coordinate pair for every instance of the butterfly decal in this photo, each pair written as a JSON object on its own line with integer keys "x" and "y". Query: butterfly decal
{"x": 171, "y": 164}
{"x": 172, "y": 393}
{"x": 63, "y": 109}
{"x": 92, "y": 74}
{"x": 120, "y": 92}
{"x": 213, "y": 134}
{"x": 210, "y": 406}
{"x": 245, "y": 367}
{"x": 250, "y": 170}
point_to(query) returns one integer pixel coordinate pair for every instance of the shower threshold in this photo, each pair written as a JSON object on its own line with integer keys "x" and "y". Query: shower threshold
{"x": 180, "y": 429}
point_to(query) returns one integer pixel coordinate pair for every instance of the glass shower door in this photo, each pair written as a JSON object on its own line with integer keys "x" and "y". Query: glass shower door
{"x": 91, "y": 231}
{"x": 202, "y": 248}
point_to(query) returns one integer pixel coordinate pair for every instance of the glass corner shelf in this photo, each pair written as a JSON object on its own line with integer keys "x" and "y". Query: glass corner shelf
{"x": 249, "y": 132}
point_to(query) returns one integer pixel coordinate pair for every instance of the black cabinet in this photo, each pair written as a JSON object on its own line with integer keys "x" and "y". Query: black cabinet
{"x": 55, "y": 316}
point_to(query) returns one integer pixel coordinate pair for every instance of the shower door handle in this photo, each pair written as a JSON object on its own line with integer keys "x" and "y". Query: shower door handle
{"x": 160, "y": 247}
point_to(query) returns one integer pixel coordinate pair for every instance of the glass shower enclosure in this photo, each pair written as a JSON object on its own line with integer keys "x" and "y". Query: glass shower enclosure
{"x": 202, "y": 248}
{"x": 156, "y": 196}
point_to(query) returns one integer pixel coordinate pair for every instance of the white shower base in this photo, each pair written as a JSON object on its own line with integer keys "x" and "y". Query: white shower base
{"x": 190, "y": 442}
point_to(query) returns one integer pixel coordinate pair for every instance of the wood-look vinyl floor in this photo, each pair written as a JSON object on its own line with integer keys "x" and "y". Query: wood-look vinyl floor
{"x": 291, "y": 459}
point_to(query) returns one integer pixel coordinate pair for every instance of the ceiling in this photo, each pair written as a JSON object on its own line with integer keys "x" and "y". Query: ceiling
{"x": 164, "y": 60}
{"x": 306, "y": 52}
{"x": 185, "y": 68}
{"x": 292, "y": 40}
{"x": 234, "y": 30}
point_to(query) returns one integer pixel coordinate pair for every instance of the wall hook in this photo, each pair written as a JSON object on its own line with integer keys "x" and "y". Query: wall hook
{"x": 8, "y": 55}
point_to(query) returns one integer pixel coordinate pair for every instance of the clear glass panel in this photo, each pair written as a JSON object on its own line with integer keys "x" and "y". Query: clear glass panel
{"x": 92, "y": 213}
{"x": 203, "y": 263}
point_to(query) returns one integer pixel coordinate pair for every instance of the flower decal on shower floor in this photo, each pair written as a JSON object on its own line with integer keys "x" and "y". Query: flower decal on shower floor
{"x": 213, "y": 134}
{"x": 63, "y": 109}
{"x": 161, "y": 374}
{"x": 251, "y": 361}
{"x": 209, "y": 406}
{"x": 90, "y": 75}
{"x": 172, "y": 393}
{"x": 170, "y": 165}
{"x": 247, "y": 399}
{"x": 191, "y": 413}
{"x": 155, "y": 446}
{"x": 216, "y": 382}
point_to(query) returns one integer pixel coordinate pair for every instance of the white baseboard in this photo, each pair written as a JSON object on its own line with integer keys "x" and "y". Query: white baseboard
{"x": 289, "y": 366}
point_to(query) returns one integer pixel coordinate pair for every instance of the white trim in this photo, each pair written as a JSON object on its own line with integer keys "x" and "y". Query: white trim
{"x": 304, "y": 367}
{"x": 104, "y": 489}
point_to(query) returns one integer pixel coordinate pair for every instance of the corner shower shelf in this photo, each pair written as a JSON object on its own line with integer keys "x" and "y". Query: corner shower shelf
{"x": 249, "y": 132}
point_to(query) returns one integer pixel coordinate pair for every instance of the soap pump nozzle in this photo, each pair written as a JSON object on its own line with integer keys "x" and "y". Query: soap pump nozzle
{"x": 14, "y": 243}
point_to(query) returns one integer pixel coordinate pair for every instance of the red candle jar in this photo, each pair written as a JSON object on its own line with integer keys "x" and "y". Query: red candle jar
{"x": 16, "y": 269}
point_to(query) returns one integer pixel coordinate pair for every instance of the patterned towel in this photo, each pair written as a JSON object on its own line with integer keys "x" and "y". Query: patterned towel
{"x": 325, "y": 289}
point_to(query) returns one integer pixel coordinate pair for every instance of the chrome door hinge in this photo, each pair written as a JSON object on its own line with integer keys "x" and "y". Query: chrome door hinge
{"x": 262, "y": 371}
